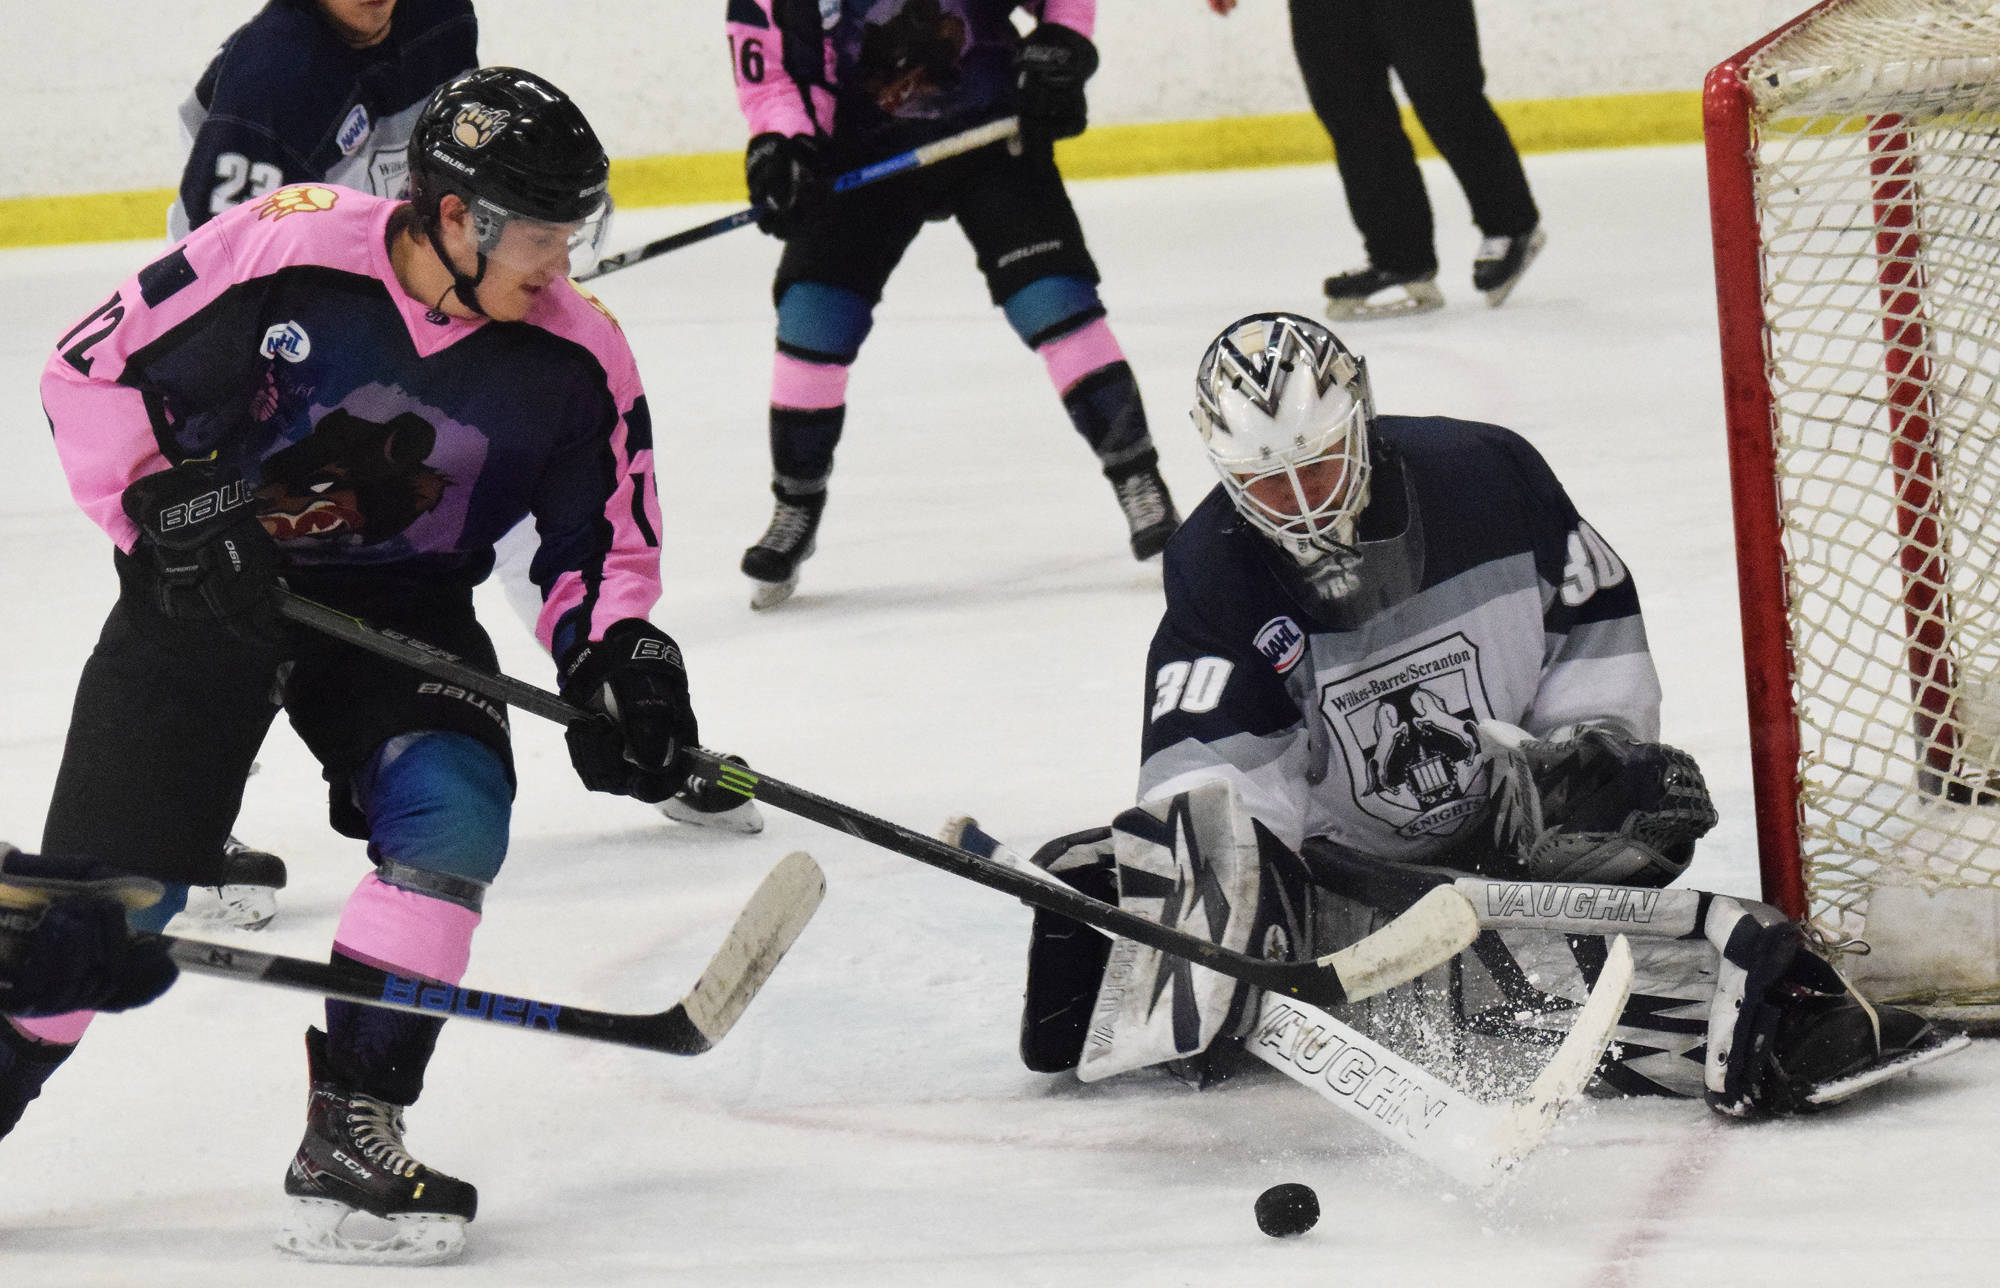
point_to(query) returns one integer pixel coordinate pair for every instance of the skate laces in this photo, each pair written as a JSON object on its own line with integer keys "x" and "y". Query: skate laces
{"x": 1143, "y": 499}
{"x": 789, "y": 526}
{"x": 377, "y": 1126}
{"x": 1493, "y": 249}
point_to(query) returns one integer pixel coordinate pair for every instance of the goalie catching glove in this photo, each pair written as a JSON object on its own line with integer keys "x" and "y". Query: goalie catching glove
{"x": 635, "y": 682}
{"x": 1594, "y": 805}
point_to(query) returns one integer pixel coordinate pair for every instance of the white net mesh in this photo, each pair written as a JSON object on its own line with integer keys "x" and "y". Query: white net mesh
{"x": 1876, "y": 132}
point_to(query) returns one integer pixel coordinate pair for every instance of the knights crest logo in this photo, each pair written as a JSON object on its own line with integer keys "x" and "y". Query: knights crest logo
{"x": 300, "y": 199}
{"x": 1408, "y": 728}
{"x": 476, "y": 124}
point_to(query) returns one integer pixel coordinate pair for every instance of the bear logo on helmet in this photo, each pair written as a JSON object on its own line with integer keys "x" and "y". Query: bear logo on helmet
{"x": 476, "y": 125}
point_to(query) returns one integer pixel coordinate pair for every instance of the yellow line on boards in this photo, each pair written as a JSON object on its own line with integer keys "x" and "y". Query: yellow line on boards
{"x": 1240, "y": 142}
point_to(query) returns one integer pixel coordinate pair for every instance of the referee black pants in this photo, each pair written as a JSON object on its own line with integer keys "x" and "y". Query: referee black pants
{"x": 1346, "y": 50}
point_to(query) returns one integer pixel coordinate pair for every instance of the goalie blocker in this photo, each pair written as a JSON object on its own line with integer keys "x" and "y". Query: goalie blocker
{"x": 1731, "y": 1004}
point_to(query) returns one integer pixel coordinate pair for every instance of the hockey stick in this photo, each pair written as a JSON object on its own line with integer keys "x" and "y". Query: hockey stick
{"x": 1473, "y": 1142}
{"x": 1469, "y": 1140}
{"x": 1430, "y": 932}
{"x": 965, "y": 141}
{"x": 784, "y": 902}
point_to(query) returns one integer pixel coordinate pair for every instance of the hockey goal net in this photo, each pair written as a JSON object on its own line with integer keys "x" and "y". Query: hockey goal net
{"x": 1854, "y": 179}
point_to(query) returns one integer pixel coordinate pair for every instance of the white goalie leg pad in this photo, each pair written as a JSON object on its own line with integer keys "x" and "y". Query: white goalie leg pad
{"x": 1189, "y": 861}
{"x": 313, "y": 1231}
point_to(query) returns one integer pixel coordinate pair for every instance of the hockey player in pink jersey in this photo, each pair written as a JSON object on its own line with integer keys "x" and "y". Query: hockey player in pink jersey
{"x": 827, "y": 86}
{"x": 360, "y": 396}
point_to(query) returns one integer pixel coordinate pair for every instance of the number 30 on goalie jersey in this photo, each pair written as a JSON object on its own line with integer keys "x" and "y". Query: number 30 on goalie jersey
{"x": 1194, "y": 687}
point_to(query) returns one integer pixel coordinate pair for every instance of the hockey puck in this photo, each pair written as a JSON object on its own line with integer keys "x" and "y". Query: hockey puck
{"x": 1288, "y": 1209}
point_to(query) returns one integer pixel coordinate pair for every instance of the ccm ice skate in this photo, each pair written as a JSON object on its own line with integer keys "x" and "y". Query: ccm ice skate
{"x": 353, "y": 1164}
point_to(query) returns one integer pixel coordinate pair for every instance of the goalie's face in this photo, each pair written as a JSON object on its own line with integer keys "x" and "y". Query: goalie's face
{"x": 1311, "y": 508}
{"x": 1284, "y": 410}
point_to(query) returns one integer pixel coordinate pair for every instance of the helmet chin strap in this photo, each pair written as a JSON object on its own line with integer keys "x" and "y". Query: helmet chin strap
{"x": 466, "y": 288}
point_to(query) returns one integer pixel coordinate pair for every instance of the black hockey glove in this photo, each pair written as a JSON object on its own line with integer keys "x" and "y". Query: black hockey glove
{"x": 1595, "y": 805}
{"x": 203, "y": 551}
{"x": 634, "y": 680}
{"x": 787, "y": 181}
{"x": 63, "y": 942}
{"x": 1049, "y": 73}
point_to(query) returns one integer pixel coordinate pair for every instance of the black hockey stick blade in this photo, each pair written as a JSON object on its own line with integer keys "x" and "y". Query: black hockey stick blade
{"x": 769, "y": 923}
{"x": 1428, "y": 934}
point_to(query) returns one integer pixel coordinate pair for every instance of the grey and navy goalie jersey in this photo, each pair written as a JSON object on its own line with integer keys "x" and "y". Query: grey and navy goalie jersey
{"x": 286, "y": 100}
{"x": 1362, "y": 731}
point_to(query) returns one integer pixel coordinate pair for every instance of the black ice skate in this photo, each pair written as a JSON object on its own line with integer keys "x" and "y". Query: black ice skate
{"x": 774, "y": 561}
{"x": 353, "y": 1161}
{"x": 1149, "y": 510}
{"x": 1502, "y": 260}
{"x": 247, "y": 899}
{"x": 707, "y": 804}
{"x": 1363, "y": 293}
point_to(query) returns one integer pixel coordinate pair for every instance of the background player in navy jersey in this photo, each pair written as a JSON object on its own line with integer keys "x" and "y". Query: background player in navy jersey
{"x": 1393, "y": 653}
{"x": 316, "y": 90}
{"x": 827, "y": 87}
{"x": 360, "y": 395}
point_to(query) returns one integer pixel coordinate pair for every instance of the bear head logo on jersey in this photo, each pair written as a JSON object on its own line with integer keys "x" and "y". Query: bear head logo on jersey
{"x": 911, "y": 60}
{"x": 476, "y": 124}
{"x": 351, "y": 479}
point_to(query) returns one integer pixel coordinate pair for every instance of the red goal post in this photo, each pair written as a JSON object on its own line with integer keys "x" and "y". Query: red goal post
{"x": 1854, "y": 188}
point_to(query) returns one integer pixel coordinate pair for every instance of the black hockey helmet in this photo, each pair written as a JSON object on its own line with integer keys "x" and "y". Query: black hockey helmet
{"x": 509, "y": 138}
{"x": 512, "y": 146}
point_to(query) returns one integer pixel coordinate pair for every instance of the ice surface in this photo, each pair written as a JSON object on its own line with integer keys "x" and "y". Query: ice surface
{"x": 970, "y": 638}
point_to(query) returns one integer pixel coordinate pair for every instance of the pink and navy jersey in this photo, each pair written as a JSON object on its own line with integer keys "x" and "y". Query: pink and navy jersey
{"x": 379, "y": 434}
{"x": 882, "y": 76}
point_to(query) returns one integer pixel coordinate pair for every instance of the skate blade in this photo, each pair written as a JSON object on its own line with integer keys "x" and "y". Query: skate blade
{"x": 312, "y": 1232}
{"x": 742, "y": 818}
{"x": 230, "y": 907}
{"x": 1415, "y": 297}
{"x": 770, "y": 594}
{"x": 1498, "y": 295}
{"x": 1839, "y": 1089}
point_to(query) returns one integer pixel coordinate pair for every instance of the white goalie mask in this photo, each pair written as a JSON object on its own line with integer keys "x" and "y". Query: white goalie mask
{"x": 1284, "y": 411}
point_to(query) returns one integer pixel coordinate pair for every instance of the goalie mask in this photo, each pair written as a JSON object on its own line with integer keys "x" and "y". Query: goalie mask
{"x": 1284, "y": 410}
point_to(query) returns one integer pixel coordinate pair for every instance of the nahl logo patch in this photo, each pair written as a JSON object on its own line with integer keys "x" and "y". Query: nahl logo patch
{"x": 301, "y": 199}
{"x": 354, "y": 131}
{"x": 1282, "y": 643}
{"x": 476, "y": 124}
{"x": 287, "y": 340}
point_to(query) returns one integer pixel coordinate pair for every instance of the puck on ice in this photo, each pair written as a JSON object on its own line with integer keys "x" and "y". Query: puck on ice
{"x": 1288, "y": 1209}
